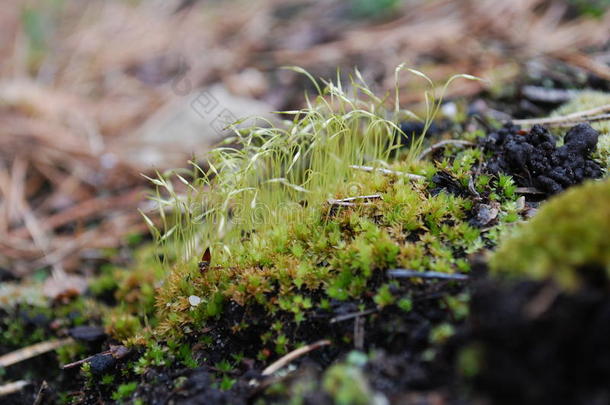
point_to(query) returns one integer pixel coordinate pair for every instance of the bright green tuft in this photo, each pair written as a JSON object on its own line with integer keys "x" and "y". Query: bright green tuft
{"x": 568, "y": 237}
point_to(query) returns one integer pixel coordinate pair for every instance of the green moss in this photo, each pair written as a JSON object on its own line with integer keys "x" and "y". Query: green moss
{"x": 283, "y": 249}
{"x": 567, "y": 238}
{"x": 345, "y": 382}
{"x": 124, "y": 391}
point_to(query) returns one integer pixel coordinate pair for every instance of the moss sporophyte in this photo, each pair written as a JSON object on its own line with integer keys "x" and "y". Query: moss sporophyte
{"x": 293, "y": 221}
{"x": 286, "y": 226}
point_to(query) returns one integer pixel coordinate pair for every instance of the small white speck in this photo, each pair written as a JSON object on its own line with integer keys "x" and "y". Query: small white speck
{"x": 194, "y": 300}
{"x": 449, "y": 109}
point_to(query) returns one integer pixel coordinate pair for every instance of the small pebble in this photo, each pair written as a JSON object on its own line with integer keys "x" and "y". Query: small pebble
{"x": 194, "y": 300}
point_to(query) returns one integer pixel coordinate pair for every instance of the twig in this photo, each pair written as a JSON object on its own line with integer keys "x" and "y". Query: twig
{"x": 32, "y": 351}
{"x": 352, "y": 315}
{"x": 349, "y": 201}
{"x": 40, "y": 397}
{"x": 293, "y": 355}
{"x": 542, "y": 301}
{"x": 12, "y": 387}
{"x": 387, "y": 171}
{"x": 529, "y": 190}
{"x": 569, "y": 123}
{"x": 404, "y": 273}
{"x": 472, "y": 189}
{"x": 594, "y": 114}
{"x": 359, "y": 333}
{"x": 117, "y": 352}
{"x": 442, "y": 144}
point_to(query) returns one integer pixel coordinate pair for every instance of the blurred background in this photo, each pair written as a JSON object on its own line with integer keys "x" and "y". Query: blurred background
{"x": 94, "y": 93}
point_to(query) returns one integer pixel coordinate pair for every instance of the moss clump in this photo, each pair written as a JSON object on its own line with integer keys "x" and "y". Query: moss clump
{"x": 296, "y": 231}
{"x": 300, "y": 237}
{"x": 566, "y": 241}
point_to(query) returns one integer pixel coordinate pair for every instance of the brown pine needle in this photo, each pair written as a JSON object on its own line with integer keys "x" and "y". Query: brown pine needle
{"x": 293, "y": 355}
{"x": 594, "y": 114}
{"x": 387, "y": 172}
{"x": 354, "y": 201}
{"x": 32, "y": 351}
{"x": 12, "y": 387}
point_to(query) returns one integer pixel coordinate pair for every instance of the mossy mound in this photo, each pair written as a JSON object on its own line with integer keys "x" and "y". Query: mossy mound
{"x": 566, "y": 241}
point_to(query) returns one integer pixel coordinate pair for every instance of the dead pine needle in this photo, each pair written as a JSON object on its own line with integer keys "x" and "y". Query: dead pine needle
{"x": 529, "y": 190}
{"x": 12, "y": 387}
{"x": 389, "y": 172}
{"x": 353, "y": 315}
{"x": 293, "y": 355}
{"x": 595, "y": 114}
{"x": 354, "y": 201}
{"x": 32, "y": 351}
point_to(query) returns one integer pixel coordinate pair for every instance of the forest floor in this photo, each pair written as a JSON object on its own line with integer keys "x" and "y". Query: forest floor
{"x": 78, "y": 130}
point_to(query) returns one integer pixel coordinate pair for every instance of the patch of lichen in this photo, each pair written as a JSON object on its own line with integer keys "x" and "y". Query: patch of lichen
{"x": 567, "y": 241}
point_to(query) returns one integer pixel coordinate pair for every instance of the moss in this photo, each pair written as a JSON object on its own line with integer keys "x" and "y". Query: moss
{"x": 566, "y": 241}
{"x": 347, "y": 385}
{"x": 602, "y": 153}
{"x": 133, "y": 288}
{"x": 283, "y": 252}
{"x": 124, "y": 391}
{"x": 338, "y": 253}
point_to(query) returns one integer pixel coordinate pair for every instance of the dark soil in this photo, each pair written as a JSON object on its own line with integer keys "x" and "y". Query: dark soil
{"x": 534, "y": 160}
{"x": 541, "y": 346}
{"x": 399, "y": 339}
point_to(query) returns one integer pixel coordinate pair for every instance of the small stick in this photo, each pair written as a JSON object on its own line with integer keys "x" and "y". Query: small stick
{"x": 347, "y": 317}
{"x": 387, "y": 171}
{"x": 32, "y": 351}
{"x": 529, "y": 190}
{"x": 12, "y": 387}
{"x": 594, "y": 114}
{"x": 472, "y": 189}
{"x": 44, "y": 387}
{"x": 348, "y": 202}
{"x": 359, "y": 333}
{"x": 117, "y": 352}
{"x": 568, "y": 123}
{"x": 293, "y": 355}
{"x": 404, "y": 273}
{"x": 442, "y": 144}
{"x": 542, "y": 301}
